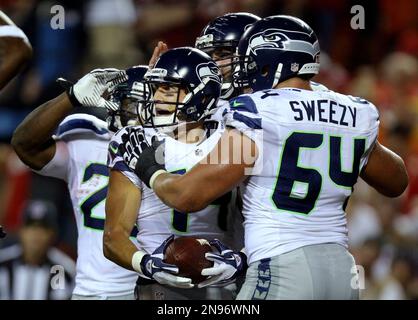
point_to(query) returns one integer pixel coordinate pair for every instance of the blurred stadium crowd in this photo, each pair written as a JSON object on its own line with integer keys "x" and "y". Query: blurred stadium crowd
{"x": 379, "y": 63}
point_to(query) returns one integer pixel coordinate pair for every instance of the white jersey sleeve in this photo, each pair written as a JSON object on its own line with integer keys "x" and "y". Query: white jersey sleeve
{"x": 59, "y": 164}
{"x": 73, "y": 127}
{"x": 243, "y": 116}
{"x": 115, "y": 159}
{"x": 372, "y": 119}
{"x": 318, "y": 86}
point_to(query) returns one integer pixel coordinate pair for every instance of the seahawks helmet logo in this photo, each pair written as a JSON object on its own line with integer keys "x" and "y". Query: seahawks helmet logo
{"x": 276, "y": 39}
{"x": 208, "y": 70}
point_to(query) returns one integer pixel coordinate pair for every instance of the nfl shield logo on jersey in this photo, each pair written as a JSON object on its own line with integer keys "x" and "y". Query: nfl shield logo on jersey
{"x": 294, "y": 67}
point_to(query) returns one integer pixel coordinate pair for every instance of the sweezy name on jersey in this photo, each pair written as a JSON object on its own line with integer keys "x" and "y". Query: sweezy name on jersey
{"x": 324, "y": 110}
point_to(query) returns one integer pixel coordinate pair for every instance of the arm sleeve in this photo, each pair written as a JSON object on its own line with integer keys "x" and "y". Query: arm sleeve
{"x": 243, "y": 116}
{"x": 374, "y": 123}
{"x": 59, "y": 164}
{"x": 14, "y": 32}
{"x": 115, "y": 159}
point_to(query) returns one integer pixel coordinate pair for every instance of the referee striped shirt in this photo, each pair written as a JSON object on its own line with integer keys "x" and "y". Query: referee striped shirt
{"x": 53, "y": 280}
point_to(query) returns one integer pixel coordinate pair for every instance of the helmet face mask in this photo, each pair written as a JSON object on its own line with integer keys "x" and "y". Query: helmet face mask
{"x": 187, "y": 86}
{"x": 129, "y": 111}
{"x": 130, "y": 97}
{"x": 164, "y": 109}
{"x": 126, "y": 115}
{"x": 244, "y": 68}
{"x": 226, "y": 60}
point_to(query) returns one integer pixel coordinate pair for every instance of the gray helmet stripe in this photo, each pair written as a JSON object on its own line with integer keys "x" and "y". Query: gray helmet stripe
{"x": 301, "y": 46}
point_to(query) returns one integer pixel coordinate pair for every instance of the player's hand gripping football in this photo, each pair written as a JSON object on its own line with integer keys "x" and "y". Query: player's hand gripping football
{"x": 228, "y": 265}
{"x": 143, "y": 158}
{"x": 155, "y": 268}
{"x": 90, "y": 89}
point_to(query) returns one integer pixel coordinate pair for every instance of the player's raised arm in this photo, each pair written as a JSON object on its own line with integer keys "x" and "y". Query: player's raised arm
{"x": 15, "y": 49}
{"x": 385, "y": 171}
{"x": 32, "y": 139}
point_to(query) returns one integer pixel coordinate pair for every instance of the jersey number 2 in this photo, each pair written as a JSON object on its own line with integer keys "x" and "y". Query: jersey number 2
{"x": 95, "y": 198}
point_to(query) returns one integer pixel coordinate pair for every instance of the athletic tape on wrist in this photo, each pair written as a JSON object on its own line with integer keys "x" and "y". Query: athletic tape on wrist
{"x": 13, "y": 31}
{"x": 154, "y": 176}
{"x": 136, "y": 261}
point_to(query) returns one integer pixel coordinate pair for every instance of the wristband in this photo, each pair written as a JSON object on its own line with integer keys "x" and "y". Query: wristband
{"x": 154, "y": 176}
{"x": 136, "y": 261}
{"x": 14, "y": 32}
{"x": 73, "y": 99}
{"x": 243, "y": 261}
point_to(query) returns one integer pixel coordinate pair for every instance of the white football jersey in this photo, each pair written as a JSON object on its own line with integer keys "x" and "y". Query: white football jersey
{"x": 315, "y": 86}
{"x": 156, "y": 221}
{"x": 80, "y": 160}
{"x": 312, "y": 146}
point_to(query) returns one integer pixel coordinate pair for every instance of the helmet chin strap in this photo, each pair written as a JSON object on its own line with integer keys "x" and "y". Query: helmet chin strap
{"x": 277, "y": 75}
{"x": 164, "y": 120}
{"x": 166, "y": 129}
{"x": 227, "y": 90}
{"x": 196, "y": 90}
{"x": 113, "y": 122}
{"x": 169, "y": 130}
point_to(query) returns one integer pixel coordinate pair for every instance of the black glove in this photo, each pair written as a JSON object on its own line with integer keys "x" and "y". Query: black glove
{"x": 144, "y": 159}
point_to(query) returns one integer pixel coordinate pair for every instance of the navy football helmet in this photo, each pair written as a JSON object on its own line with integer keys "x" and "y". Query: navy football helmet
{"x": 275, "y": 49}
{"x": 224, "y": 32}
{"x": 129, "y": 95}
{"x": 189, "y": 72}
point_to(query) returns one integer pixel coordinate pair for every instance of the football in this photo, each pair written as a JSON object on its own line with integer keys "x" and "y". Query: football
{"x": 188, "y": 254}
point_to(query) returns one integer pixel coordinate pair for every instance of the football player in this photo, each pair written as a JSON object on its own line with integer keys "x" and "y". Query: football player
{"x": 310, "y": 146}
{"x": 219, "y": 39}
{"x": 73, "y": 148}
{"x": 15, "y": 51}
{"x": 186, "y": 84}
